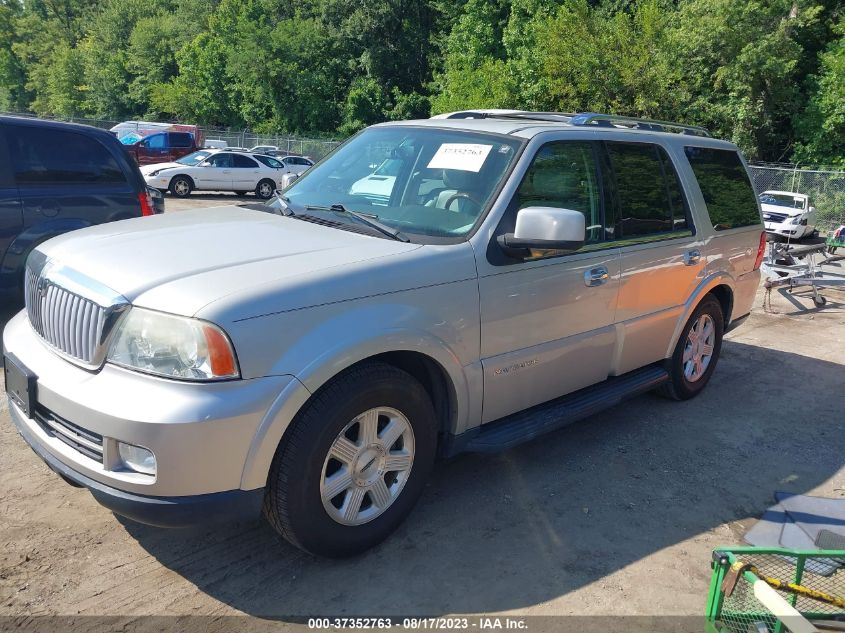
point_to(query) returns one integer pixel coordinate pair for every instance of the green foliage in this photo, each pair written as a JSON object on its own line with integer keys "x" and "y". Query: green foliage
{"x": 767, "y": 74}
{"x": 823, "y": 123}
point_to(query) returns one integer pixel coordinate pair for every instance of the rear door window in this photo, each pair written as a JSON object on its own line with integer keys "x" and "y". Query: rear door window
{"x": 243, "y": 162}
{"x": 727, "y": 190}
{"x": 181, "y": 139}
{"x": 648, "y": 197}
{"x": 42, "y": 155}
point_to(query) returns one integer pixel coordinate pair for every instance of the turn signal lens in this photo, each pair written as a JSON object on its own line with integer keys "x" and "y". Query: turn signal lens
{"x": 221, "y": 358}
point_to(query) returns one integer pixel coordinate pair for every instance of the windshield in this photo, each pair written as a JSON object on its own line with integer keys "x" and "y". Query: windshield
{"x": 783, "y": 200}
{"x": 422, "y": 181}
{"x": 131, "y": 138}
{"x": 194, "y": 159}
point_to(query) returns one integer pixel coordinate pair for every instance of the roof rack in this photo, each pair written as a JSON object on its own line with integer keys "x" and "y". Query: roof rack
{"x": 583, "y": 118}
{"x": 612, "y": 120}
{"x": 554, "y": 117}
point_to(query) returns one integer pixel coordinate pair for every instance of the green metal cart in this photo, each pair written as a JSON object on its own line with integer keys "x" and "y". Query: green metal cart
{"x": 835, "y": 242}
{"x": 771, "y": 590}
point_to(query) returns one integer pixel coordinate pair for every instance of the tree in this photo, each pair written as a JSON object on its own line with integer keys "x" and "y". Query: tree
{"x": 822, "y": 125}
{"x": 740, "y": 62}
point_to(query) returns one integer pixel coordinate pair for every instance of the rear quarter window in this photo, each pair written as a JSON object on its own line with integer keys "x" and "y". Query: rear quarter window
{"x": 50, "y": 156}
{"x": 727, "y": 190}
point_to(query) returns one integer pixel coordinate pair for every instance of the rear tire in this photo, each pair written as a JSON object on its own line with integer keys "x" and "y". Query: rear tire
{"x": 181, "y": 186}
{"x": 265, "y": 189}
{"x": 353, "y": 463}
{"x": 697, "y": 351}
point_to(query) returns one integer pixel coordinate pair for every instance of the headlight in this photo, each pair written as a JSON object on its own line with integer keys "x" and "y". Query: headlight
{"x": 795, "y": 220}
{"x": 173, "y": 346}
{"x": 154, "y": 173}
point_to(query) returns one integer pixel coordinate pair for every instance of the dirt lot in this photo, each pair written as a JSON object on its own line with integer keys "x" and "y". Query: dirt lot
{"x": 615, "y": 515}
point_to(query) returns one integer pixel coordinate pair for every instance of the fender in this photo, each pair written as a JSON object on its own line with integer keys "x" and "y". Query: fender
{"x": 318, "y": 344}
{"x": 330, "y": 363}
{"x": 20, "y": 248}
{"x": 707, "y": 284}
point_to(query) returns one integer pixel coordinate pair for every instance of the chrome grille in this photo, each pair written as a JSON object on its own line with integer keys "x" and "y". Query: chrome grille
{"x": 65, "y": 320}
{"x": 774, "y": 217}
{"x": 72, "y": 313}
{"x": 86, "y": 442}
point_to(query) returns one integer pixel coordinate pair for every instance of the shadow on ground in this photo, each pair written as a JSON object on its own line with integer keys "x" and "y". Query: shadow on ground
{"x": 503, "y": 532}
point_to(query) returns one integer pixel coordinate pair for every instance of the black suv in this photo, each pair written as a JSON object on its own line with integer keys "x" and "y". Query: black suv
{"x": 57, "y": 177}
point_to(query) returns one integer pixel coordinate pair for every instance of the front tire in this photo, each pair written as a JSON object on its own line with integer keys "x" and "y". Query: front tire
{"x": 265, "y": 189}
{"x": 353, "y": 463}
{"x": 181, "y": 186}
{"x": 697, "y": 351}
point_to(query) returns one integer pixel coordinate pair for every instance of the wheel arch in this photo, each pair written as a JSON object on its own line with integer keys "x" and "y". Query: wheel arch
{"x": 721, "y": 286}
{"x": 448, "y": 396}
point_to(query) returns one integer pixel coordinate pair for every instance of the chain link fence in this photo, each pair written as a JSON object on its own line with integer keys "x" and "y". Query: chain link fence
{"x": 826, "y": 188}
{"x": 310, "y": 147}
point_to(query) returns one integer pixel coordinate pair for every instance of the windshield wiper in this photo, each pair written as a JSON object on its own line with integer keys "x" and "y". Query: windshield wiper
{"x": 365, "y": 218}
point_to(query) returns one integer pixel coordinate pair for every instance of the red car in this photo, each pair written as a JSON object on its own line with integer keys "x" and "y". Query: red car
{"x": 158, "y": 143}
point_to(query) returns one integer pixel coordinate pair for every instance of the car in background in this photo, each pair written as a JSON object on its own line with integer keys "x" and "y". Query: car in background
{"x": 295, "y": 164}
{"x": 57, "y": 177}
{"x": 263, "y": 149}
{"x": 787, "y": 215}
{"x": 217, "y": 170}
{"x": 159, "y": 147}
{"x": 215, "y": 143}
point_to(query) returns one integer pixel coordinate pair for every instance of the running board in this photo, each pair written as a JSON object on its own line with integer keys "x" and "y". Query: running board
{"x": 526, "y": 425}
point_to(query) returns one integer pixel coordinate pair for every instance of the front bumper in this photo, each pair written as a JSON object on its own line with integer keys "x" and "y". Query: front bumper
{"x": 784, "y": 230}
{"x": 201, "y": 434}
{"x": 172, "y": 512}
{"x": 158, "y": 182}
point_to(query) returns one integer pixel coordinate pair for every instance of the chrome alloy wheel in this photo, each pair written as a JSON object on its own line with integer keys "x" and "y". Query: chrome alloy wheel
{"x": 265, "y": 190}
{"x": 181, "y": 187}
{"x": 698, "y": 350}
{"x": 367, "y": 466}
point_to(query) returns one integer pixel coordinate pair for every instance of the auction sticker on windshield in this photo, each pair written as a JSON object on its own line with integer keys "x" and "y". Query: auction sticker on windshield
{"x": 463, "y": 156}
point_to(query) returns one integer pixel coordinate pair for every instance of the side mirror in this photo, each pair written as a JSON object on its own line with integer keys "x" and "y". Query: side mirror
{"x": 547, "y": 228}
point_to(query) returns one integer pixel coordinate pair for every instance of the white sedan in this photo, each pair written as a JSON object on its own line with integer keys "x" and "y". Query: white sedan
{"x": 219, "y": 170}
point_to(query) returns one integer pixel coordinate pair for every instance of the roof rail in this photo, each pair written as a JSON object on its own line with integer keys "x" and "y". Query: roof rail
{"x": 594, "y": 118}
{"x": 555, "y": 117}
{"x": 582, "y": 118}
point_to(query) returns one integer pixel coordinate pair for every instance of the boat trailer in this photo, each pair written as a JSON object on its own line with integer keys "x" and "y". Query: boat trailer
{"x": 796, "y": 266}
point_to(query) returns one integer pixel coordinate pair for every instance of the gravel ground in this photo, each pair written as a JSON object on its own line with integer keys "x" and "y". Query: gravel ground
{"x": 615, "y": 515}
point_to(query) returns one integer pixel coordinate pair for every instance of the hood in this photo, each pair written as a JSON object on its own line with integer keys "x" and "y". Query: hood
{"x": 183, "y": 261}
{"x": 789, "y": 212}
{"x": 146, "y": 169}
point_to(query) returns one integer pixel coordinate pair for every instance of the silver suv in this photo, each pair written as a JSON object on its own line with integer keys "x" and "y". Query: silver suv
{"x": 515, "y": 272}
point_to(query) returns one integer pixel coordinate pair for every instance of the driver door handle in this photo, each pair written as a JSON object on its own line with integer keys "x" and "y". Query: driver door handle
{"x": 596, "y": 276}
